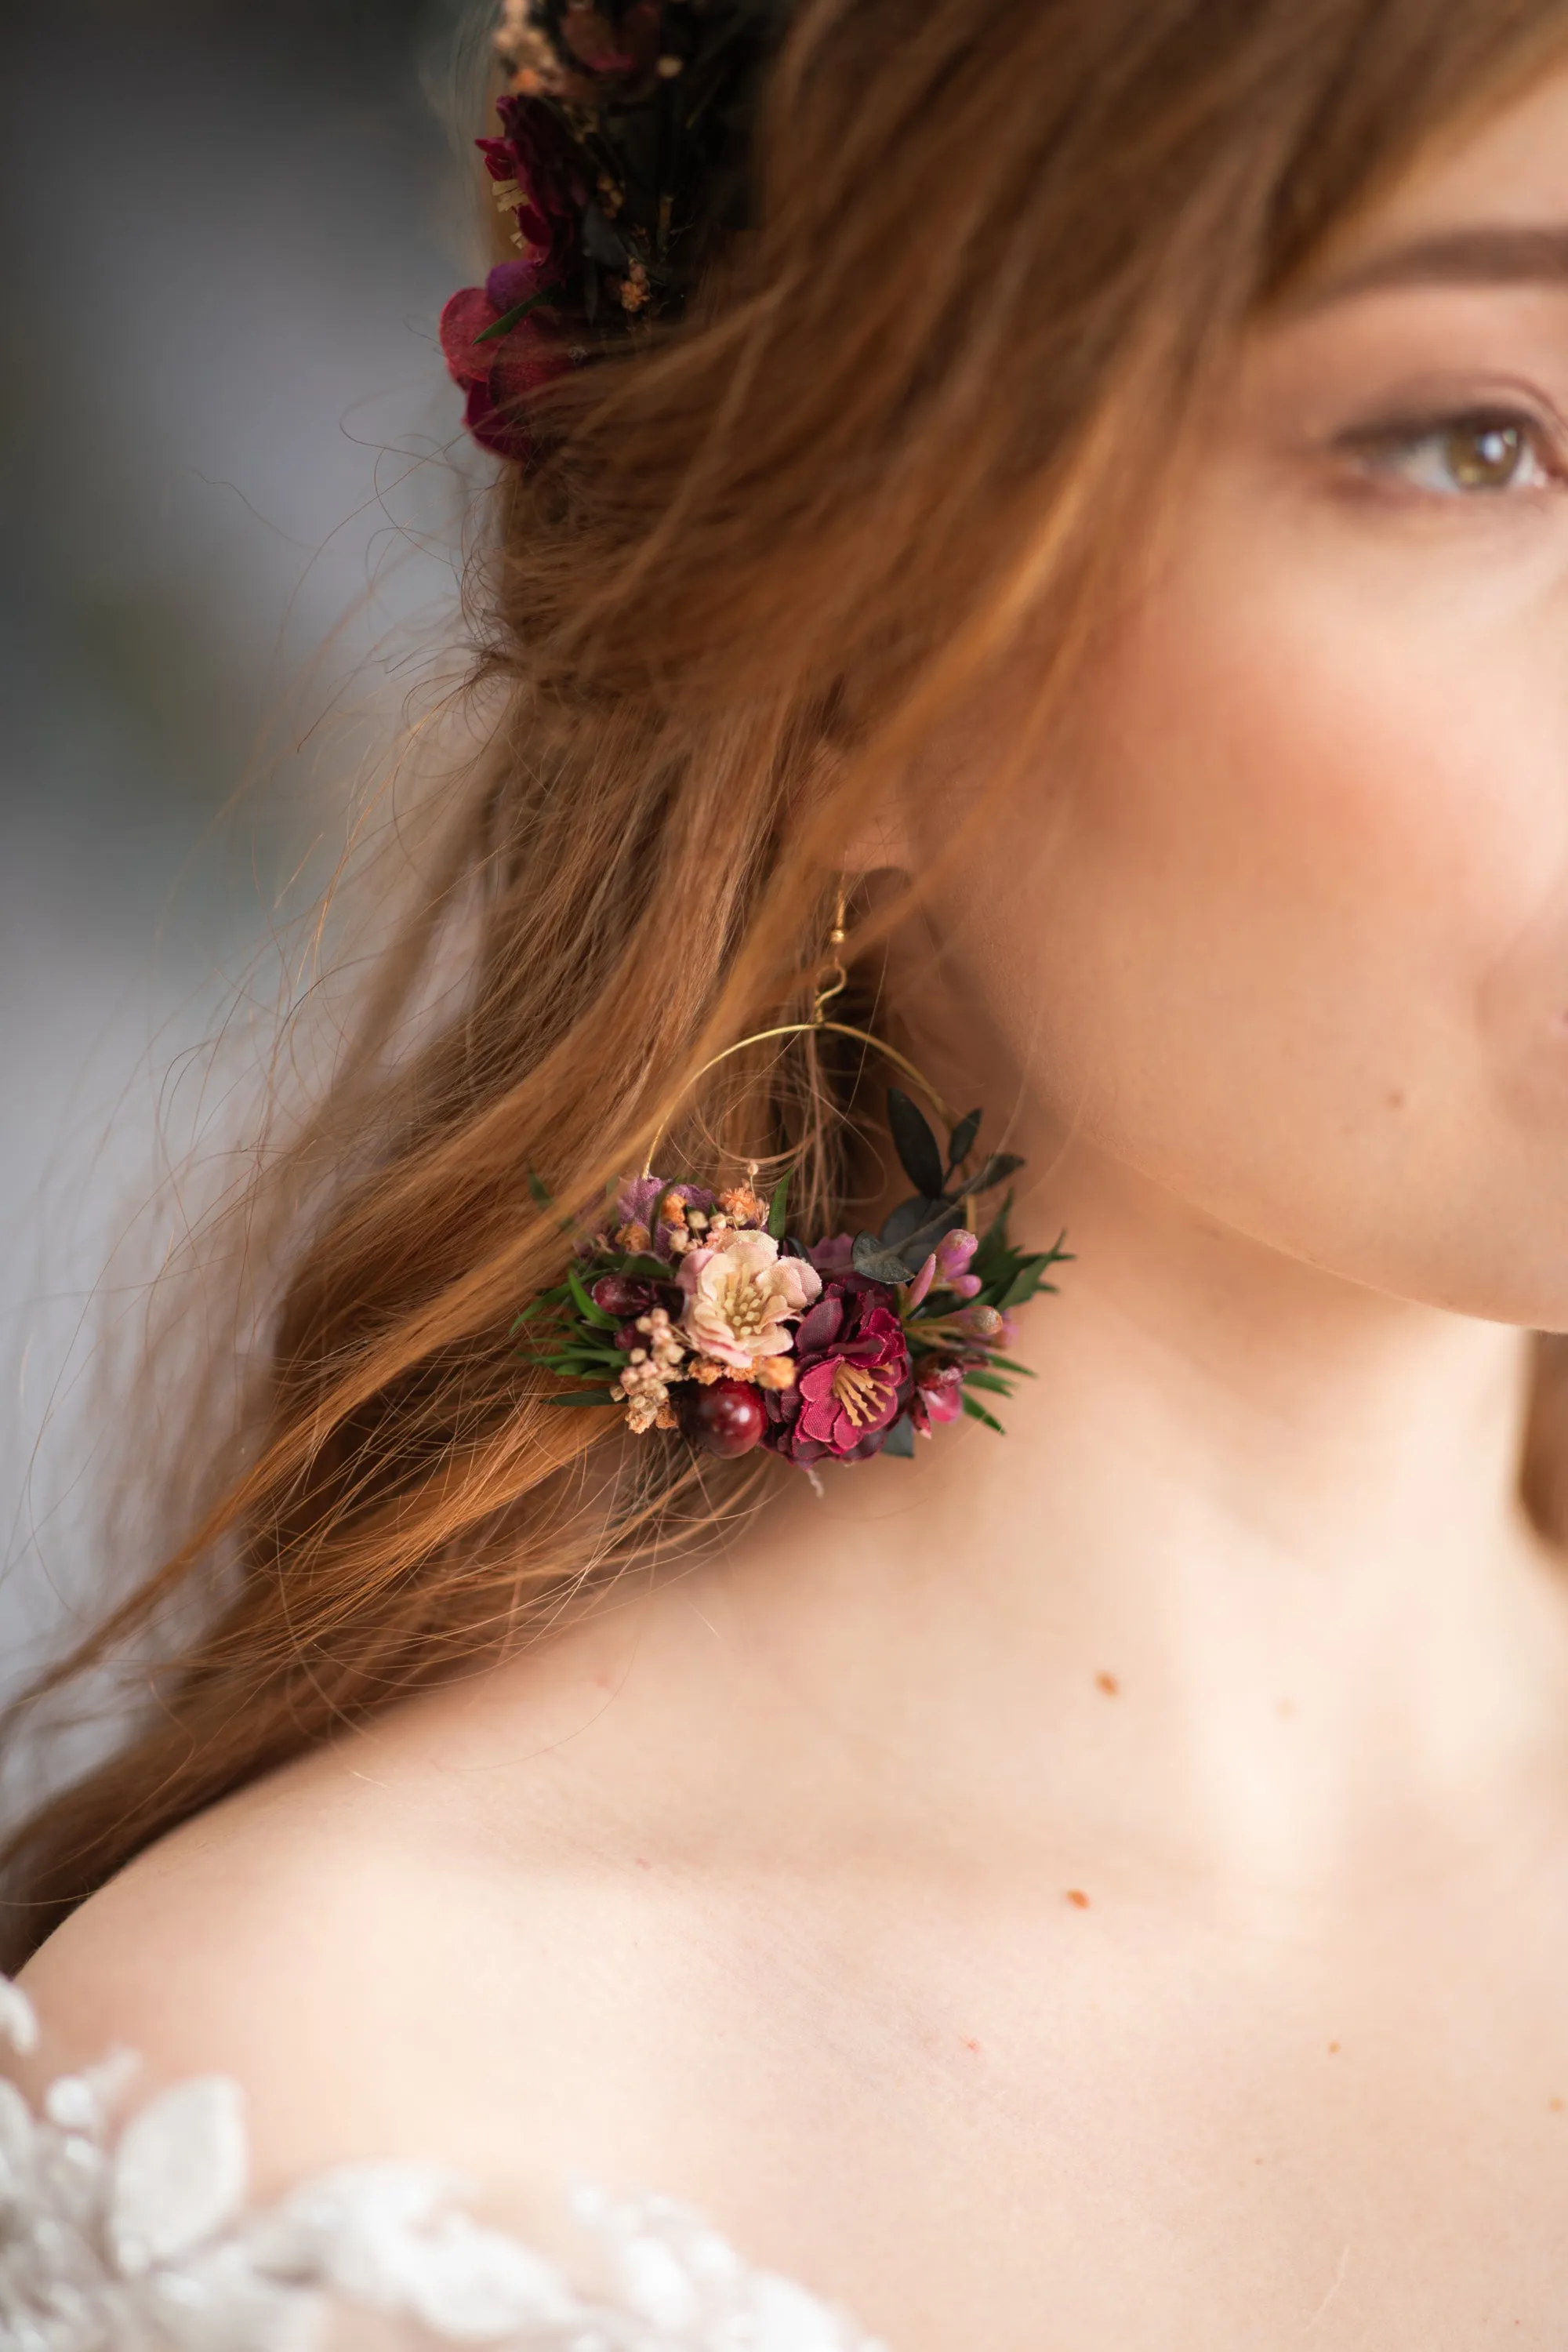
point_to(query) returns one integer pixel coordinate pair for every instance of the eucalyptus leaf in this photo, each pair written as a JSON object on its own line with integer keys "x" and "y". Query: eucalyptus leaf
{"x": 880, "y": 1265}
{"x": 908, "y": 1217}
{"x": 915, "y": 1144}
{"x": 996, "y": 1170}
{"x": 916, "y": 1247}
{"x": 602, "y": 243}
{"x": 960, "y": 1143}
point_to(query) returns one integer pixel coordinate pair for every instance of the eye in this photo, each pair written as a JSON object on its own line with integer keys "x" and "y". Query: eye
{"x": 1465, "y": 457}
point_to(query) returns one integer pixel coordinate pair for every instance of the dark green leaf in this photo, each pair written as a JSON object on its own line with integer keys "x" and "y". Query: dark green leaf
{"x": 1023, "y": 1372}
{"x": 908, "y": 1217}
{"x": 899, "y": 1442}
{"x": 536, "y": 1183}
{"x": 978, "y": 1413}
{"x": 975, "y": 1380}
{"x": 916, "y": 1247}
{"x": 645, "y": 1267}
{"x": 587, "y": 1308}
{"x": 996, "y": 1170}
{"x": 590, "y": 1396}
{"x": 778, "y": 1207}
{"x": 880, "y": 1265}
{"x": 960, "y": 1143}
{"x": 915, "y": 1144}
{"x": 515, "y": 318}
{"x": 1027, "y": 1282}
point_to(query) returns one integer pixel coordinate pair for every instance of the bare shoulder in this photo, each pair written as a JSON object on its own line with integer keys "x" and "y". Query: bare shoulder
{"x": 465, "y": 1934}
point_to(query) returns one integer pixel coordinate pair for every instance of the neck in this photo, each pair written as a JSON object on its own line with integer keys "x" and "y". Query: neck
{"x": 1247, "y": 1578}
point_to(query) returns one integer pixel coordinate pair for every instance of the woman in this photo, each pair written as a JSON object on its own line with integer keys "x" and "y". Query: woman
{"x": 1105, "y": 510}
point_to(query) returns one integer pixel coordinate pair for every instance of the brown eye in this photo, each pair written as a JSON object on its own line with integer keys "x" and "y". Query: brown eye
{"x": 1464, "y": 457}
{"x": 1482, "y": 456}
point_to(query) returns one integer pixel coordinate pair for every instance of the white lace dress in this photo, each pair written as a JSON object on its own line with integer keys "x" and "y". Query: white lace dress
{"x": 126, "y": 2228}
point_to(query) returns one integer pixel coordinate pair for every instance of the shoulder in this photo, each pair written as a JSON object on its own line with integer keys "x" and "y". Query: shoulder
{"x": 461, "y": 1936}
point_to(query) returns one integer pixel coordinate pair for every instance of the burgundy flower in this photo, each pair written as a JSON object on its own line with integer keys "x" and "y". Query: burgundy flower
{"x": 537, "y": 152}
{"x": 499, "y": 373}
{"x": 852, "y": 1364}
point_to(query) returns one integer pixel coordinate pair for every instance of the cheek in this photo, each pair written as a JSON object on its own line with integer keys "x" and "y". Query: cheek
{"x": 1295, "y": 931}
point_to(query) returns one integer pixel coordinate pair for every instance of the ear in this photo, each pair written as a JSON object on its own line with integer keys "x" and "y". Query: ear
{"x": 878, "y": 837}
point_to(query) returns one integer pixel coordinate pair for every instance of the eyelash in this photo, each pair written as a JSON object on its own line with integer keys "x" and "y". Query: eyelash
{"x": 1393, "y": 452}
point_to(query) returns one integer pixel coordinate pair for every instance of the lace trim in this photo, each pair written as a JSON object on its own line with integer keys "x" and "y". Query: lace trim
{"x": 139, "y": 2239}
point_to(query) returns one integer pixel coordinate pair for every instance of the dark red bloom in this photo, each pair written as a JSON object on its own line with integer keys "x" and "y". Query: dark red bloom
{"x": 537, "y": 152}
{"x": 499, "y": 374}
{"x": 852, "y": 1365}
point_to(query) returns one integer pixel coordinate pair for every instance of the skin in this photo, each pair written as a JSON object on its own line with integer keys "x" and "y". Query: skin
{"x": 760, "y": 1888}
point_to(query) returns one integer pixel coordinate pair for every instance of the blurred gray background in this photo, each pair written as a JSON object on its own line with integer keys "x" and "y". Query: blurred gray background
{"x": 227, "y": 516}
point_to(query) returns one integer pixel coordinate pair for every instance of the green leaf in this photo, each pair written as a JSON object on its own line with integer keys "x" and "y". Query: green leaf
{"x": 977, "y": 1380}
{"x": 536, "y": 1183}
{"x": 899, "y": 1442}
{"x": 588, "y": 1309}
{"x": 778, "y": 1207}
{"x": 996, "y": 1170}
{"x": 598, "y": 1396}
{"x": 644, "y": 1268}
{"x": 515, "y": 316}
{"x": 915, "y": 1144}
{"x": 960, "y": 1143}
{"x": 1026, "y": 1283}
{"x": 978, "y": 1413}
{"x": 1023, "y": 1372}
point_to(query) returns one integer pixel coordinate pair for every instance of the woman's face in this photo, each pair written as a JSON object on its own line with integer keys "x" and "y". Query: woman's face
{"x": 1290, "y": 937}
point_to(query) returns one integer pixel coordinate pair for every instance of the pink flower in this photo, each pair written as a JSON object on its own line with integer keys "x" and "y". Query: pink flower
{"x": 738, "y": 1294}
{"x": 953, "y": 1253}
{"x": 938, "y": 1395}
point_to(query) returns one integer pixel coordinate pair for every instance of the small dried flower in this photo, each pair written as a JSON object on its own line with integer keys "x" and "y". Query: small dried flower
{"x": 742, "y": 1207}
{"x": 774, "y": 1371}
{"x": 634, "y": 288}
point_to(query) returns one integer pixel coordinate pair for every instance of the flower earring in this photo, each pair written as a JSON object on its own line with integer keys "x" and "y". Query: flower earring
{"x": 700, "y": 1313}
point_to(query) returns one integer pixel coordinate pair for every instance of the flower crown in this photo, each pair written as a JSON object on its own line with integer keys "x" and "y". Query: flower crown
{"x": 624, "y": 135}
{"x": 699, "y": 1312}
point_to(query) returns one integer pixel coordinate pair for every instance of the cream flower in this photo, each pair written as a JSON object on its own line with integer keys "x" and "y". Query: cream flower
{"x": 739, "y": 1291}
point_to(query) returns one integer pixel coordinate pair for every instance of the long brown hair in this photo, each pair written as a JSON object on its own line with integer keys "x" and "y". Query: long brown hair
{"x": 1000, "y": 245}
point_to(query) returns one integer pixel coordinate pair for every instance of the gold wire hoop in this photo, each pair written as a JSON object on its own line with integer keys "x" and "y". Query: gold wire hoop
{"x": 832, "y": 981}
{"x": 814, "y": 1027}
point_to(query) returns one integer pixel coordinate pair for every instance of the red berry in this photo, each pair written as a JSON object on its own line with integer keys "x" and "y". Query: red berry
{"x": 727, "y": 1419}
{"x": 618, "y": 1296}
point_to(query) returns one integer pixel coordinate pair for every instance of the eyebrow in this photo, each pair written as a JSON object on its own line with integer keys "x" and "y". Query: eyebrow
{"x": 1469, "y": 256}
